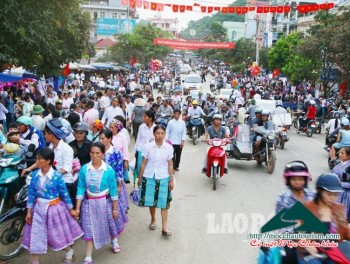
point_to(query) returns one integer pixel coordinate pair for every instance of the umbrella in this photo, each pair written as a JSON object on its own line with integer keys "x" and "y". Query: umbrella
{"x": 4, "y": 77}
{"x": 86, "y": 67}
{"x": 73, "y": 66}
{"x": 20, "y": 72}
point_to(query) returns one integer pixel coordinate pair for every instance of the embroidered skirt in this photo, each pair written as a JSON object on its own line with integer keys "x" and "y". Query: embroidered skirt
{"x": 123, "y": 202}
{"x": 344, "y": 198}
{"x": 155, "y": 193}
{"x": 97, "y": 221}
{"x": 61, "y": 230}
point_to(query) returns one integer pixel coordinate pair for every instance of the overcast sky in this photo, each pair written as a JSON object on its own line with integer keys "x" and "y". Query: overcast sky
{"x": 185, "y": 17}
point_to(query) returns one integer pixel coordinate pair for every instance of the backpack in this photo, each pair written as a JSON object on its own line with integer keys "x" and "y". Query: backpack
{"x": 42, "y": 141}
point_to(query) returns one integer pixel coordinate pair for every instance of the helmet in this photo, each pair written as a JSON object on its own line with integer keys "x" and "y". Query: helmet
{"x": 25, "y": 120}
{"x": 279, "y": 103}
{"x": 345, "y": 121}
{"x": 258, "y": 110}
{"x": 195, "y": 102}
{"x": 217, "y": 116}
{"x": 296, "y": 168}
{"x": 265, "y": 112}
{"x": 312, "y": 102}
{"x": 336, "y": 114}
{"x": 81, "y": 127}
{"x": 253, "y": 101}
{"x": 329, "y": 182}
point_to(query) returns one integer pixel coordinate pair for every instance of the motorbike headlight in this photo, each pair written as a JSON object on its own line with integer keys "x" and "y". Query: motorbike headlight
{"x": 271, "y": 136}
{"x": 217, "y": 143}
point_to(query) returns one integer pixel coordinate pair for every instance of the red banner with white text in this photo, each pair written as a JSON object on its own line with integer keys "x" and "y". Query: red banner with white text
{"x": 192, "y": 44}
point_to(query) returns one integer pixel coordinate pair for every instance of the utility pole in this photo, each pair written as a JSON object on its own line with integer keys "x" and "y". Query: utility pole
{"x": 257, "y": 39}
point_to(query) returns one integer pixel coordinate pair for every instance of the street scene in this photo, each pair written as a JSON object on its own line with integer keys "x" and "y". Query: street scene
{"x": 175, "y": 132}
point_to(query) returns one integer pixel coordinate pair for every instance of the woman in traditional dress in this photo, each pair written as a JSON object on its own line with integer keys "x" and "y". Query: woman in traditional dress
{"x": 144, "y": 136}
{"x": 342, "y": 169}
{"x": 49, "y": 219}
{"x": 114, "y": 158}
{"x": 97, "y": 198}
{"x": 95, "y": 130}
{"x": 157, "y": 178}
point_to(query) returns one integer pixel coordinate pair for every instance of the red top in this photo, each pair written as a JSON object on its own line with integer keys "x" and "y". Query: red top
{"x": 311, "y": 112}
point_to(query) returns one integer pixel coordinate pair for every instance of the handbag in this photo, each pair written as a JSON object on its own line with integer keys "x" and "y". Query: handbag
{"x": 135, "y": 196}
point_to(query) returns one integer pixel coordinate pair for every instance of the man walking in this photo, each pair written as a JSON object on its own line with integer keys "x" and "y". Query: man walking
{"x": 176, "y": 134}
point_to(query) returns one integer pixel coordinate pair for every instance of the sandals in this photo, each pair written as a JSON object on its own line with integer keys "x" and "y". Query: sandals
{"x": 166, "y": 233}
{"x": 69, "y": 261}
{"x": 152, "y": 227}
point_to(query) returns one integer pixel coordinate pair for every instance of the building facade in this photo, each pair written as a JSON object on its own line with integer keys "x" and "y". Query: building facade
{"x": 167, "y": 24}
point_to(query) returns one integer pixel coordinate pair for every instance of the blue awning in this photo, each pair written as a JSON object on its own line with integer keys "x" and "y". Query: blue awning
{"x": 9, "y": 78}
{"x": 102, "y": 66}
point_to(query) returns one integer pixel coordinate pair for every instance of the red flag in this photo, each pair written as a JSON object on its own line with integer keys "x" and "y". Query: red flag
{"x": 217, "y": 8}
{"x": 302, "y": 8}
{"x": 315, "y": 8}
{"x": 231, "y": 9}
{"x": 323, "y": 6}
{"x": 280, "y": 9}
{"x": 139, "y": 3}
{"x": 224, "y": 10}
{"x": 145, "y": 4}
{"x": 160, "y": 7}
{"x": 125, "y": 2}
{"x": 342, "y": 88}
{"x": 175, "y": 8}
{"x": 137, "y": 60}
{"x": 65, "y": 71}
{"x": 182, "y": 8}
{"x": 196, "y": 4}
{"x": 189, "y": 8}
{"x": 330, "y": 5}
{"x": 245, "y": 10}
{"x": 266, "y": 9}
{"x": 252, "y": 8}
{"x": 132, "y": 3}
{"x": 260, "y": 9}
{"x": 286, "y": 9}
{"x": 204, "y": 9}
{"x": 210, "y": 9}
{"x": 239, "y": 10}
{"x": 273, "y": 9}
{"x": 255, "y": 70}
{"x": 154, "y": 6}
{"x": 131, "y": 62}
{"x": 168, "y": 5}
{"x": 275, "y": 72}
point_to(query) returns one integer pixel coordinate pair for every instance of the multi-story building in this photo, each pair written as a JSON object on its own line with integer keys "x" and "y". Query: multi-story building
{"x": 109, "y": 18}
{"x": 167, "y": 24}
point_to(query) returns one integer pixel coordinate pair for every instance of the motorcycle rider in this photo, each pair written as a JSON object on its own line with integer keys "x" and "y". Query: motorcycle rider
{"x": 215, "y": 131}
{"x": 257, "y": 119}
{"x": 176, "y": 98}
{"x": 251, "y": 109}
{"x": 195, "y": 110}
{"x": 343, "y": 139}
{"x": 165, "y": 108}
{"x": 334, "y": 123}
{"x": 279, "y": 110}
{"x": 223, "y": 110}
{"x": 266, "y": 124}
{"x": 310, "y": 115}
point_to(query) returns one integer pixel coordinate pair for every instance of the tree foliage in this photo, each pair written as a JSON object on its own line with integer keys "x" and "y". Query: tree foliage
{"x": 42, "y": 35}
{"x": 139, "y": 43}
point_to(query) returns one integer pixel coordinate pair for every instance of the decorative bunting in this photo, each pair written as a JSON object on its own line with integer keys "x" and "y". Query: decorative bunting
{"x": 182, "y": 8}
{"x": 245, "y": 10}
{"x": 273, "y": 9}
{"x": 196, "y": 4}
{"x": 145, "y": 4}
{"x": 224, "y": 10}
{"x": 175, "y": 8}
{"x": 154, "y": 6}
{"x": 132, "y": 3}
{"x": 286, "y": 9}
{"x": 204, "y": 9}
{"x": 231, "y": 9}
{"x": 168, "y": 5}
{"x": 160, "y": 7}
{"x": 280, "y": 9}
{"x": 189, "y": 8}
{"x": 266, "y": 9}
{"x": 210, "y": 9}
{"x": 239, "y": 10}
{"x": 259, "y": 9}
{"x": 139, "y": 3}
{"x": 315, "y": 8}
{"x": 330, "y": 5}
{"x": 252, "y": 8}
{"x": 217, "y": 8}
{"x": 323, "y": 6}
{"x": 125, "y": 2}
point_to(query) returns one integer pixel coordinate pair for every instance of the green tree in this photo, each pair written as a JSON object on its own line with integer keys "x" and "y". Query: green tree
{"x": 139, "y": 43}
{"x": 42, "y": 35}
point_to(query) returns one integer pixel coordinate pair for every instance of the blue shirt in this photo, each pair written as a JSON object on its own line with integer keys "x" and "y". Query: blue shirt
{"x": 49, "y": 186}
{"x": 114, "y": 158}
{"x": 96, "y": 181}
{"x": 176, "y": 131}
{"x": 287, "y": 199}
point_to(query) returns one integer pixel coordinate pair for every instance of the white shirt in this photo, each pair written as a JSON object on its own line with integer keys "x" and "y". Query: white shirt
{"x": 38, "y": 122}
{"x": 144, "y": 136}
{"x": 51, "y": 100}
{"x": 67, "y": 102}
{"x": 331, "y": 125}
{"x": 130, "y": 108}
{"x": 34, "y": 140}
{"x": 3, "y": 112}
{"x": 176, "y": 131}
{"x": 157, "y": 160}
{"x": 110, "y": 113}
{"x": 64, "y": 160}
{"x": 104, "y": 102}
{"x": 195, "y": 111}
{"x": 257, "y": 96}
{"x": 279, "y": 111}
{"x": 132, "y": 86}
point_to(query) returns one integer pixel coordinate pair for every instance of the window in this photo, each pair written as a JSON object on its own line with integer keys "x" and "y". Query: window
{"x": 114, "y": 15}
{"x": 122, "y": 15}
{"x": 95, "y": 16}
{"x": 102, "y": 14}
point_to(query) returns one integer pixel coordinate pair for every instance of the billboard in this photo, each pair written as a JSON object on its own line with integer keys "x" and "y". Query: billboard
{"x": 112, "y": 26}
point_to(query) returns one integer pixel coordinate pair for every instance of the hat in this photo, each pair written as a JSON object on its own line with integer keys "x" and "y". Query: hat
{"x": 58, "y": 101}
{"x": 11, "y": 148}
{"x": 345, "y": 121}
{"x": 329, "y": 182}
{"x": 57, "y": 128}
{"x": 140, "y": 102}
{"x": 37, "y": 109}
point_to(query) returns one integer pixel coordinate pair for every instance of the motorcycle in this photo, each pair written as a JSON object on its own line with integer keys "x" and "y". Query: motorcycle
{"x": 216, "y": 159}
{"x": 241, "y": 147}
{"x": 196, "y": 122}
{"x": 12, "y": 225}
{"x": 309, "y": 129}
{"x": 163, "y": 119}
{"x": 318, "y": 124}
{"x": 282, "y": 137}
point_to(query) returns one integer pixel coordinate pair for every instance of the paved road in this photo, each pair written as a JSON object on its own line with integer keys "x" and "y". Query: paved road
{"x": 247, "y": 189}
